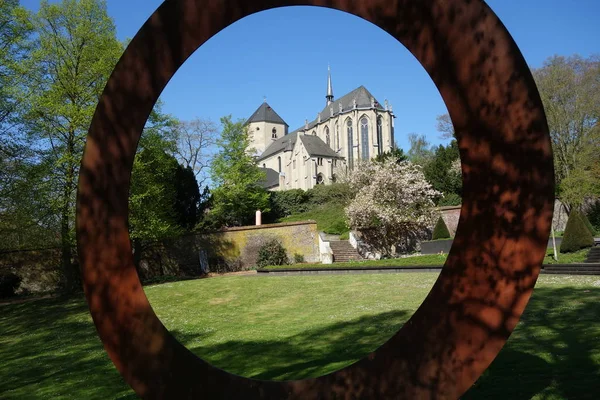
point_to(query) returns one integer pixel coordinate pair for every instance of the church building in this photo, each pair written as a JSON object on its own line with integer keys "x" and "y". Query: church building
{"x": 352, "y": 128}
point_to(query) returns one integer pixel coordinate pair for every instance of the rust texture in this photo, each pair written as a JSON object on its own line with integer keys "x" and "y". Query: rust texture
{"x": 498, "y": 249}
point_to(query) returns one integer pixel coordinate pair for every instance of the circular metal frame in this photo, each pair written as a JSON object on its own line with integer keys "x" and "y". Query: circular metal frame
{"x": 508, "y": 186}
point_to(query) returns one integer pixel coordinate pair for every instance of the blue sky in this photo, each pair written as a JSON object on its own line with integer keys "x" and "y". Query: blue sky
{"x": 283, "y": 54}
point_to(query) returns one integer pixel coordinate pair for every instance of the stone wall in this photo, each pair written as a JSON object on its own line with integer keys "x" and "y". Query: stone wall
{"x": 39, "y": 270}
{"x": 451, "y": 215}
{"x": 232, "y": 249}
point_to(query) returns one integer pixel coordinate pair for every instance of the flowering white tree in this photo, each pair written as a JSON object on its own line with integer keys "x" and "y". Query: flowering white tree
{"x": 393, "y": 204}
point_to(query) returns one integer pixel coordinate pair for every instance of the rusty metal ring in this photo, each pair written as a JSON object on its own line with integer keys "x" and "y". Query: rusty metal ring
{"x": 498, "y": 249}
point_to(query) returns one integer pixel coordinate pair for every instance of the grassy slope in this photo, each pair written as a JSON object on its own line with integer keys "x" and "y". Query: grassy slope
{"x": 295, "y": 327}
{"x": 329, "y": 217}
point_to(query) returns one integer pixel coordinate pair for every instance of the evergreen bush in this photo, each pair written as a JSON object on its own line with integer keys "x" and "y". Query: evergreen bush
{"x": 272, "y": 253}
{"x": 440, "y": 231}
{"x": 577, "y": 235}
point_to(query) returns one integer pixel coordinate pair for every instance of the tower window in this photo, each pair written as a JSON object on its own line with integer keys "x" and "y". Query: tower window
{"x": 274, "y": 133}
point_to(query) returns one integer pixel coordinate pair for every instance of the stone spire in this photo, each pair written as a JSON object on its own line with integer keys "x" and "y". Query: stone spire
{"x": 329, "y": 96}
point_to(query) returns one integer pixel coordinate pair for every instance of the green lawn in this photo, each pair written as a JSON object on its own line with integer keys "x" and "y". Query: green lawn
{"x": 300, "y": 326}
{"x": 426, "y": 260}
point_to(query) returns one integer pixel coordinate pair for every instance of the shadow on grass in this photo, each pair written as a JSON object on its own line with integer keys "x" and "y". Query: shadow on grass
{"x": 309, "y": 354}
{"x": 554, "y": 351}
{"x": 50, "y": 349}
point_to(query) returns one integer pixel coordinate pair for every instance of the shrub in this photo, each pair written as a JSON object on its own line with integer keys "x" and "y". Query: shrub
{"x": 9, "y": 282}
{"x": 272, "y": 253}
{"x": 287, "y": 202}
{"x": 298, "y": 258}
{"x": 338, "y": 193}
{"x": 593, "y": 215}
{"x": 588, "y": 224}
{"x": 440, "y": 231}
{"x": 577, "y": 235}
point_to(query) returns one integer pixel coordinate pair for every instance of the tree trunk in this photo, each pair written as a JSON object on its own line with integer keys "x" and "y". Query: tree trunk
{"x": 70, "y": 274}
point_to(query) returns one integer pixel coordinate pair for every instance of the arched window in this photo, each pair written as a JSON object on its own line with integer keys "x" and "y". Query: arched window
{"x": 274, "y": 133}
{"x": 264, "y": 165}
{"x": 337, "y": 137}
{"x": 314, "y": 133}
{"x": 364, "y": 136}
{"x": 327, "y": 136}
{"x": 350, "y": 143}
{"x": 379, "y": 135}
{"x": 279, "y": 163}
{"x": 320, "y": 179}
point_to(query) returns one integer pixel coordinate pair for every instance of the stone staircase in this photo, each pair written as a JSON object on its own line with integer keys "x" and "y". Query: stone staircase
{"x": 594, "y": 255}
{"x": 343, "y": 251}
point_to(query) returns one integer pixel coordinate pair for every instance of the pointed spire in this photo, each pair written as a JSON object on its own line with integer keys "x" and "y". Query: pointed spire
{"x": 329, "y": 95}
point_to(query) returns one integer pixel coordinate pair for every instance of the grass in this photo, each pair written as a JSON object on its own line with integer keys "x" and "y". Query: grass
{"x": 294, "y": 327}
{"x": 330, "y": 218}
{"x": 566, "y": 258}
{"x": 426, "y": 260}
{"x": 421, "y": 261}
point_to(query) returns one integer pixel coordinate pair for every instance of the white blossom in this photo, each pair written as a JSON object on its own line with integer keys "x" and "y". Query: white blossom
{"x": 393, "y": 203}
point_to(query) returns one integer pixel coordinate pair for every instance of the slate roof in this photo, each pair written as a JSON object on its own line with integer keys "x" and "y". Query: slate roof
{"x": 279, "y": 145}
{"x": 271, "y": 180}
{"x": 363, "y": 100}
{"x": 315, "y": 146}
{"x": 265, "y": 113}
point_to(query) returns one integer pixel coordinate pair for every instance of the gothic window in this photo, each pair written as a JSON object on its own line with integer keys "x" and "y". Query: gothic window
{"x": 337, "y": 137}
{"x": 364, "y": 133}
{"x": 327, "y": 137}
{"x": 279, "y": 163}
{"x": 274, "y": 133}
{"x": 319, "y": 161}
{"x": 380, "y": 135}
{"x": 320, "y": 179}
{"x": 314, "y": 133}
{"x": 350, "y": 144}
{"x": 264, "y": 165}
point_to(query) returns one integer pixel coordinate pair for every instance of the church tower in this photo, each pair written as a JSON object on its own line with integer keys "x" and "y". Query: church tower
{"x": 329, "y": 95}
{"x": 264, "y": 127}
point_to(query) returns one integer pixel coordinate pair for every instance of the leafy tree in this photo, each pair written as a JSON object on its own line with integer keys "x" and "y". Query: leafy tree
{"x": 577, "y": 236}
{"x": 74, "y": 50}
{"x": 393, "y": 204}
{"x": 570, "y": 90}
{"x": 396, "y": 153}
{"x": 443, "y": 171}
{"x": 238, "y": 193}
{"x": 440, "y": 231}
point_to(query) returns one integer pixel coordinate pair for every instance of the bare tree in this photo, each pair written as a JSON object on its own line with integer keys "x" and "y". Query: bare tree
{"x": 195, "y": 146}
{"x": 444, "y": 126}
